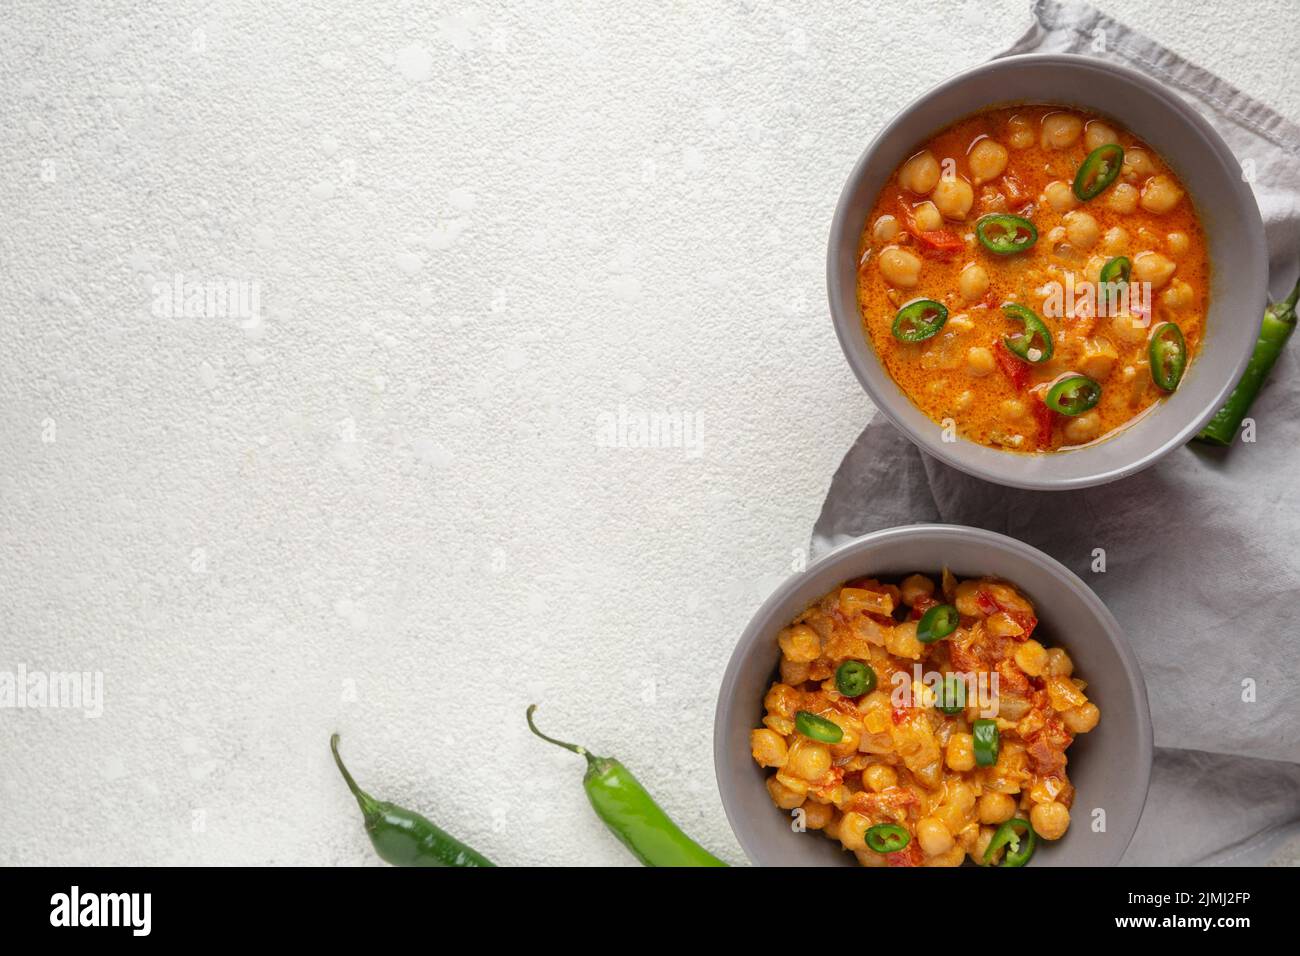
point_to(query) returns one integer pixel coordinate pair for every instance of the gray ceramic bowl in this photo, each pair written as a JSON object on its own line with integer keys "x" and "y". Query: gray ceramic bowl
{"x": 1110, "y": 766}
{"x": 1238, "y": 258}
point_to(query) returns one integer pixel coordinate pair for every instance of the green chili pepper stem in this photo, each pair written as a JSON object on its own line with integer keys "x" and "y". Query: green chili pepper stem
{"x": 630, "y": 813}
{"x": 1279, "y": 322}
{"x": 369, "y": 805}
{"x": 592, "y": 760}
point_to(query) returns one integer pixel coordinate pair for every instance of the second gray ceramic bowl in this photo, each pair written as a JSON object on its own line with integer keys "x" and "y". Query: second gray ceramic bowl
{"x": 1110, "y": 766}
{"x": 1238, "y": 258}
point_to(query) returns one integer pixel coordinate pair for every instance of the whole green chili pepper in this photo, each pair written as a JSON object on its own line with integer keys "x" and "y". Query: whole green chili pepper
{"x": 1279, "y": 322}
{"x": 631, "y": 813}
{"x": 403, "y": 837}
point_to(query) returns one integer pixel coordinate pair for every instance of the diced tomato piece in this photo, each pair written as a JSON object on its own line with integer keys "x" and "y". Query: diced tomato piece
{"x": 923, "y": 604}
{"x": 939, "y": 242}
{"x": 986, "y": 602}
{"x": 1014, "y": 369}
{"x": 909, "y": 855}
{"x": 1016, "y": 192}
{"x": 1026, "y": 621}
{"x": 1045, "y": 418}
{"x": 899, "y": 714}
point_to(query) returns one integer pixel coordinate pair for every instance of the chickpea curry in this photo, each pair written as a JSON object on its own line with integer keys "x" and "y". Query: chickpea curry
{"x": 918, "y": 728}
{"x": 1034, "y": 276}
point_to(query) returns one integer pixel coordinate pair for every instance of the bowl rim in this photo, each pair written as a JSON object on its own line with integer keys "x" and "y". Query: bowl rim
{"x": 846, "y": 316}
{"x": 762, "y": 621}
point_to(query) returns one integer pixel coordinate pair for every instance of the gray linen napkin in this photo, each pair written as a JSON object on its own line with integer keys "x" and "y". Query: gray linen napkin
{"x": 1201, "y": 568}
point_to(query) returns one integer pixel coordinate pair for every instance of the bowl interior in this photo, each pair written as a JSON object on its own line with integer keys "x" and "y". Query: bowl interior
{"x": 1109, "y": 767}
{"x": 1213, "y": 178}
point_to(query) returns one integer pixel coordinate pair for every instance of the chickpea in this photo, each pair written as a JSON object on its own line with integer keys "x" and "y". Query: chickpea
{"x": 899, "y": 267}
{"x": 1098, "y": 358}
{"x": 853, "y": 830}
{"x": 1078, "y": 431}
{"x": 1081, "y": 719}
{"x": 901, "y": 641}
{"x": 1013, "y": 409}
{"x": 800, "y": 643}
{"x": 809, "y": 760}
{"x": 959, "y": 323}
{"x": 1031, "y": 657}
{"x": 966, "y": 599}
{"x": 995, "y": 807}
{"x": 1097, "y": 134}
{"x": 1059, "y": 663}
{"x": 933, "y": 836}
{"x": 870, "y": 858}
{"x": 920, "y": 173}
{"x": 817, "y": 815}
{"x": 987, "y": 160}
{"x": 783, "y": 796}
{"x": 1177, "y": 243}
{"x": 927, "y": 217}
{"x": 782, "y": 700}
{"x": 915, "y": 586}
{"x": 1178, "y": 296}
{"x": 885, "y": 229}
{"x": 1020, "y": 133}
{"x": 768, "y": 747}
{"x": 794, "y": 672}
{"x": 964, "y": 400}
{"x": 961, "y": 796}
{"x": 982, "y": 843}
{"x": 954, "y": 197}
{"x": 961, "y": 753}
{"x": 1060, "y": 196}
{"x": 879, "y": 776}
{"x": 1160, "y": 194}
{"x": 1137, "y": 164}
{"x": 1060, "y": 130}
{"x": 1081, "y": 229}
{"x": 979, "y": 361}
{"x": 1154, "y": 268}
{"x": 1128, "y": 328}
{"x": 1115, "y": 240}
{"x": 1123, "y": 199}
{"x": 973, "y": 282}
{"x": 1050, "y": 820}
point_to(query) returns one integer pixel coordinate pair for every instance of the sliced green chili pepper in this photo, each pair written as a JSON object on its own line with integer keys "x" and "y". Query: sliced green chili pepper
{"x": 818, "y": 728}
{"x": 1098, "y": 170}
{"x": 1279, "y": 322}
{"x": 986, "y": 737}
{"x": 952, "y": 695}
{"x": 1005, "y": 234}
{"x": 403, "y": 837}
{"x": 919, "y": 320}
{"x": 1116, "y": 271}
{"x": 1073, "y": 395}
{"x": 630, "y": 813}
{"x": 937, "y": 623}
{"x": 854, "y": 678}
{"x": 888, "y": 837}
{"x": 1020, "y": 839}
{"x": 1168, "y": 352}
{"x": 1022, "y": 343}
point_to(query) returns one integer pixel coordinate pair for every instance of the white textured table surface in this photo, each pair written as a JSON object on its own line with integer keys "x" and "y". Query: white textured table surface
{"x": 477, "y": 235}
